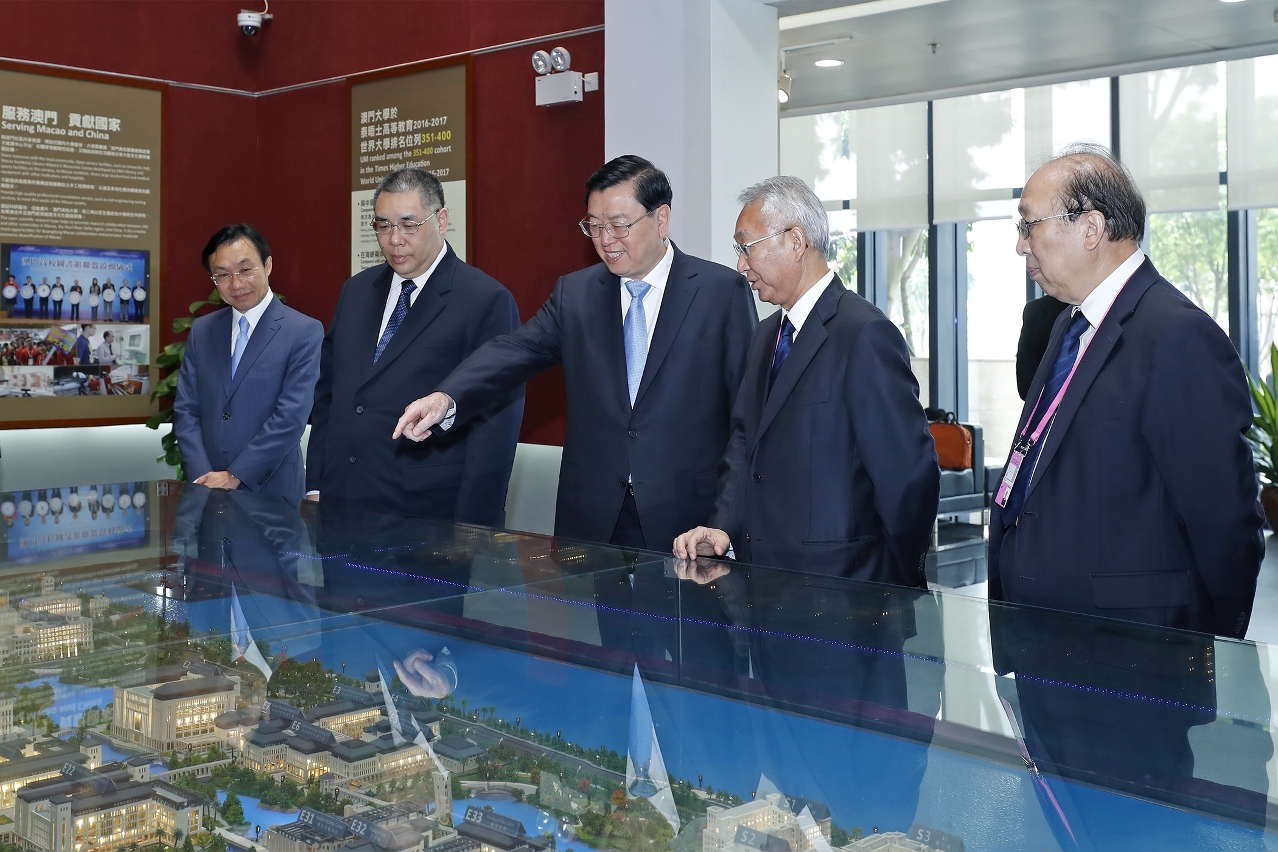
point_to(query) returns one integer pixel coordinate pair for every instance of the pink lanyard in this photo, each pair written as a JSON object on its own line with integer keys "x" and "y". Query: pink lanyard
{"x": 1060, "y": 394}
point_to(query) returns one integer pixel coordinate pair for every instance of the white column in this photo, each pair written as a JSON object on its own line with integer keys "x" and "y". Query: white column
{"x": 692, "y": 86}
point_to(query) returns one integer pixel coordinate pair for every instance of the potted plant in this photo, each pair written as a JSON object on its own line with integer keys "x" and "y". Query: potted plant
{"x": 1263, "y": 436}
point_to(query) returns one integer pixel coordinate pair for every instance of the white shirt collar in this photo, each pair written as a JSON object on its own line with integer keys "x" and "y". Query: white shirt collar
{"x": 1097, "y": 303}
{"x": 799, "y": 313}
{"x": 254, "y": 313}
{"x": 660, "y": 273}
{"x": 420, "y": 280}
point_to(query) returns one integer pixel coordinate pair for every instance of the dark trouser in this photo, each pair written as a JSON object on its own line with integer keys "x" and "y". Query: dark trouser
{"x": 57, "y": 310}
{"x": 75, "y": 311}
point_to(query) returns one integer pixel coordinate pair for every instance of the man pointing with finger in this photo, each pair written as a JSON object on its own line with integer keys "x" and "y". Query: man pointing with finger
{"x": 653, "y": 344}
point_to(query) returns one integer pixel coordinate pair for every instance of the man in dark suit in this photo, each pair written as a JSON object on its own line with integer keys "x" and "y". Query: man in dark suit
{"x": 399, "y": 329}
{"x": 831, "y": 468}
{"x": 1037, "y": 321}
{"x": 1135, "y": 497}
{"x": 248, "y": 376}
{"x": 653, "y": 344}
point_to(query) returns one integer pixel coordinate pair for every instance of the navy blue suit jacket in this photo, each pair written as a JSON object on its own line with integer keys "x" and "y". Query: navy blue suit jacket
{"x": 1143, "y": 504}
{"x": 835, "y": 471}
{"x": 455, "y": 475}
{"x": 673, "y": 437}
{"x": 250, "y": 425}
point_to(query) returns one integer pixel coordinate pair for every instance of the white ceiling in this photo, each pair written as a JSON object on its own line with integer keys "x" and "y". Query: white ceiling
{"x": 984, "y": 45}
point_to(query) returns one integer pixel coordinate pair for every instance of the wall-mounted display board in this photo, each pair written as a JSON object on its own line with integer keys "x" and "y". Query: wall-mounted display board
{"x": 417, "y": 119}
{"x": 80, "y": 197}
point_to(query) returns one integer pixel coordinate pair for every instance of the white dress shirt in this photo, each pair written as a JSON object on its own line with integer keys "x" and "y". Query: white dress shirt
{"x": 657, "y": 279}
{"x": 397, "y": 280}
{"x": 1098, "y": 302}
{"x": 254, "y": 315}
{"x": 799, "y": 313}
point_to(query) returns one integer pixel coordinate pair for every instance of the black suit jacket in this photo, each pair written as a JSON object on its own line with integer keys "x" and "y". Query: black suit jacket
{"x": 1037, "y": 321}
{"x": 672, "y": 439}
{"x": 835, "y": 472}
{"x": 456, "y": 475}
{"x": 1143, "y": 504}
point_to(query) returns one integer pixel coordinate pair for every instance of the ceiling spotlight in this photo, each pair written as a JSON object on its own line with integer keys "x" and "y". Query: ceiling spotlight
{"x": 560, "y": 59}
{"x": 783, "y": 87}
{"x": 541, "y": 62}
{"x": 828, "y": 63}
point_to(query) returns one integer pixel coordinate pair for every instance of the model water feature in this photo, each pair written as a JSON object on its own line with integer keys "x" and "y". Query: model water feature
{"x": 255, "y": 814}
{"x": 70, "y": 700}
{"x": 536, "y": 822}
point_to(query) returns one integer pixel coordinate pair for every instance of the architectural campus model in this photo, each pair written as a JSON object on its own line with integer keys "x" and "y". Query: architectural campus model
{"x": 195, "y": 721}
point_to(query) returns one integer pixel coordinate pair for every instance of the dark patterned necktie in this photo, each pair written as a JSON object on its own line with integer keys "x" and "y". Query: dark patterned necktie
{"x": 406, "y": 289}
{"x": 783, "y": 349}
{"x": 1061, "y": 368}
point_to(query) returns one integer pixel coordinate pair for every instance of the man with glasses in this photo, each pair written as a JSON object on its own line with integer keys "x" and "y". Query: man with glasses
{"x": 398, "y": 330}
{"x": 831, "y": 468}
{"x": 1129, "y": 491}
{"x": 653, "y": 344}
{"x": 248, "y": 376}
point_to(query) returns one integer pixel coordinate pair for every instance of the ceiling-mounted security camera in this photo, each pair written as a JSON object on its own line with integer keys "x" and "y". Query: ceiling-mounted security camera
{"x": 250, "y": 23}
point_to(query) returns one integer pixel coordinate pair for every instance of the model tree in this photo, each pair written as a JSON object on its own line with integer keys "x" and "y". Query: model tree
{"x": 232, "y": 810}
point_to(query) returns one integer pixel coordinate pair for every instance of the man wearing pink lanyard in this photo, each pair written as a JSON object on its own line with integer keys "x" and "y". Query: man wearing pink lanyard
{"x": 1129, "y": 491}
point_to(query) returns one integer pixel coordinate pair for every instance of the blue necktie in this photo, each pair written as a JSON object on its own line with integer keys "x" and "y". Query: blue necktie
{"x": 406, "y": 289}
{"x": 636, "y": 331}
{"x": 783, "y": 349}
{"x": 241, "y": 343}
{"x": 1065, "y": 359}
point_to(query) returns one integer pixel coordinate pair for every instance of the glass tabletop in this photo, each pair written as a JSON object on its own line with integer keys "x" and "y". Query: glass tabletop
{"x": 429, "y": 683}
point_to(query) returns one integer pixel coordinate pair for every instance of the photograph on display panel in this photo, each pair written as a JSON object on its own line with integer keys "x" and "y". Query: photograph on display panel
{"x": 80, "y": 252}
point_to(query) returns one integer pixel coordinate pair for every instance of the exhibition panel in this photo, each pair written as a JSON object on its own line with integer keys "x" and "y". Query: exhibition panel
{"x": 217, "y": 663}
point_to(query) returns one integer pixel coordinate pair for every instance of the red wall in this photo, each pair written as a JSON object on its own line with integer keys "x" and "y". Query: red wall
{"x": 281, "y": 161}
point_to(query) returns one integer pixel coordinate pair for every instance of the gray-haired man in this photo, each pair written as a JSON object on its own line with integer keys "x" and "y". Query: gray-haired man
{"x": 830, "y": 468}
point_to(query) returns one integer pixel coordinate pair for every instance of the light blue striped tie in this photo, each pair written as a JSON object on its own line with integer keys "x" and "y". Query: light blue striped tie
{"x": 241, "y": 342}
{"x": 636, "y": 330}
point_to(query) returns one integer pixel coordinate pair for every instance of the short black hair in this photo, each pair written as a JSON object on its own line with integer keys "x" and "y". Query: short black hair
{"x": 410, "y": 179}
{"x": 652, "y": 187}
{"x": 230, "y": 234}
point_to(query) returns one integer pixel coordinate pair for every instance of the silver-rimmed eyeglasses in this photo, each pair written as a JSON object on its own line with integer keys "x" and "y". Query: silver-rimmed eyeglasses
{"x": 406, "y": 226}
{"x": 1023, "y": 227}
{"x": 246, "y": 275}
{"x": 616, "y": 230}
{"x": 743, "y": 249}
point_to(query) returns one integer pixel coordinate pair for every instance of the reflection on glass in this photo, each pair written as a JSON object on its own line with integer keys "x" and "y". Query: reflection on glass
{"x": 1267, "y": 290}
{"x": 842, "y": 256}
{"x": 995, "y": 299}
{"x": 1189, "y": 250}
{"x": 907, "y": 296}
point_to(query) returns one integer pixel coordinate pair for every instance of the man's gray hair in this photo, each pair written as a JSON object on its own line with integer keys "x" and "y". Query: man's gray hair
{"x": 413, "y": 179}
{"x": 1096, "y": 180}
{"x": 789, "y": 203}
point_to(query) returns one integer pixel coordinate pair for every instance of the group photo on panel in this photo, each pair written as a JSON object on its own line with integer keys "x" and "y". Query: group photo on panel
{"x": 695, "y": 428}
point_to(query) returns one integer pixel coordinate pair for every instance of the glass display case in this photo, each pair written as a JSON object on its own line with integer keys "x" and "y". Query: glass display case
{"x": 209, "y": 669}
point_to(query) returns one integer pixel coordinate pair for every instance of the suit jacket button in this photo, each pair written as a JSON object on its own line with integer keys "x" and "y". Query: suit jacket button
{"x": 633, "y": 433}
{"x": 359, "y": 409}
{"x": 747, "y": 536}
{"x": 352, "y": 460}
{"x": 226, "y": 415}
{"x": 758, "y": 477}
{"x": 622, "y": 483}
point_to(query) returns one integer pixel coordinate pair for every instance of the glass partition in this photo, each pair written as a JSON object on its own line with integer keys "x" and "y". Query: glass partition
{"x": 342, "y": 677}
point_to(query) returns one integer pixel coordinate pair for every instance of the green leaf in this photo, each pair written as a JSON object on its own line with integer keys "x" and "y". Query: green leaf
{"x": 155, "y": 421}
{"x": 182, "y": 324}
{"x": 196, "y": 306}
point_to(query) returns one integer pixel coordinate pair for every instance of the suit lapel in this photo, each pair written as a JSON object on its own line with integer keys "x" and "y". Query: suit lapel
{"x": 371, "y": 322}
{"x": 1098, "y": 351}
{"x": 267, "y": 326}
{"x": 608, "y": 340}
{"x": 426, "y": 307}
{"x": 680, "y": 291}
{"x": 809, "y": 340}
{"x": 221, "y": 353}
